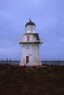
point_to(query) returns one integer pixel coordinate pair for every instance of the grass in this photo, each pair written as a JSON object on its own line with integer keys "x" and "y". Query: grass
{"x": 15, "y": 80}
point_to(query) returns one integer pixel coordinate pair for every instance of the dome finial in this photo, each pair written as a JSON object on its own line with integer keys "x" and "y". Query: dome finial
{"x": 30, "y": 23}
{"x": 29, "y": 20}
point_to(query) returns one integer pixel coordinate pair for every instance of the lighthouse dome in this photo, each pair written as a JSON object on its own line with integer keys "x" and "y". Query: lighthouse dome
{"x": 30, "y": 23}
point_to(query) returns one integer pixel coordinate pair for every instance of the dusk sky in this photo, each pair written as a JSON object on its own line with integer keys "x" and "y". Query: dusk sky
{"x": 48, "y": 15}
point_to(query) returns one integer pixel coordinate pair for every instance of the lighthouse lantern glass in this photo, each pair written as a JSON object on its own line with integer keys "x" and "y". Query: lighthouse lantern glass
{"x": 30, "y": 29}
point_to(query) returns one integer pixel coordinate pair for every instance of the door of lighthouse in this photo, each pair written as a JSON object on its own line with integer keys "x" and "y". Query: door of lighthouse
{"x": 27, "y": 59}
{"x": 28, "y": 38}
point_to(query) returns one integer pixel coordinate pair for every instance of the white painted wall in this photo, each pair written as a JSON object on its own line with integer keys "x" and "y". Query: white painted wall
{"x": 24, "y": 38}
{"x": 31, "y": 50}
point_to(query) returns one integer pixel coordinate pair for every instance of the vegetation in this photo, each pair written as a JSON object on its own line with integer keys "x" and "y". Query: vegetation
{"x": 47, "y": 80}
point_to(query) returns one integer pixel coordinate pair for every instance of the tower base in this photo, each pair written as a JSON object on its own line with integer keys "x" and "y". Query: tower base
{"x": 31, "y": 64}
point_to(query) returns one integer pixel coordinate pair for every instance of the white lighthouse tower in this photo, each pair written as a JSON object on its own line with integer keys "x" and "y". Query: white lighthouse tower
{"x": 30, "y": 43}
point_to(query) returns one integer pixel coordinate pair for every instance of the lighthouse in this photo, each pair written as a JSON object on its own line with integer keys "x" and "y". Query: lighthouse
{"x": 30, "y": 44}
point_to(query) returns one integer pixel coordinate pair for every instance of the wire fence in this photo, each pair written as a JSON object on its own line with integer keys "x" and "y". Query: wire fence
{"x": 17, "y": 62}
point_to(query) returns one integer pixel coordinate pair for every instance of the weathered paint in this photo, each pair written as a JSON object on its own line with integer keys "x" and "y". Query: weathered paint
{"x": 30, "y": 48}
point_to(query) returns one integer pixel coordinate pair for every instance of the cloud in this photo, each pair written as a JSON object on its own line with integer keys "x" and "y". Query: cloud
{"x": 49, "y": 18}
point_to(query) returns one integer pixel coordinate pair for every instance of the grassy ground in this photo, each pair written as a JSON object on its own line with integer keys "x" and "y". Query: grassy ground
{"x": 15, "y": 80}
